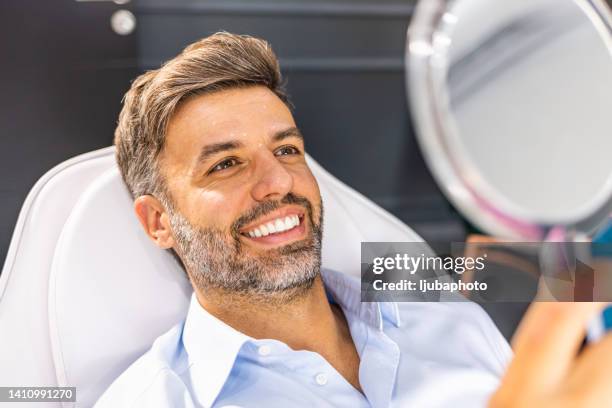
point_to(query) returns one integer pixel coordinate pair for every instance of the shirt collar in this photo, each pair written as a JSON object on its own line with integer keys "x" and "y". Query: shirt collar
{"x": 212, "y": 346}
{"x": 346, "y": 291}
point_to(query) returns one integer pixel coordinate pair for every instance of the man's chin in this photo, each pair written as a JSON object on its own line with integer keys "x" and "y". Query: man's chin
{"x": 287, "y": 284}
{"x": 276, "y": 285}
{"x": 284, "y": 290}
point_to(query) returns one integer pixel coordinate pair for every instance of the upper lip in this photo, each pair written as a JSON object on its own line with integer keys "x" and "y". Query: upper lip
{"x": 280, "y": 213}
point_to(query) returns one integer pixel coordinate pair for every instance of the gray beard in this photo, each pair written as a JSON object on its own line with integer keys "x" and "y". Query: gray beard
{"x": 214, "y": 263}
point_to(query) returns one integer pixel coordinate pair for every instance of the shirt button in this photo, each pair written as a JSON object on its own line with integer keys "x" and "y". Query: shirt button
{"x": 264, "y": 350}
{"x": 321, "y": 379}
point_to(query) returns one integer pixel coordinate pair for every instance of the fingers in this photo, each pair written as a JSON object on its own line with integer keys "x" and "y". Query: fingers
{"x": 547, "y": 342}
{"x": 590, "y": 375}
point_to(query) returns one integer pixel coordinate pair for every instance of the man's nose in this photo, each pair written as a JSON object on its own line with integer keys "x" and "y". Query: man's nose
{"x": 272, "y": 180}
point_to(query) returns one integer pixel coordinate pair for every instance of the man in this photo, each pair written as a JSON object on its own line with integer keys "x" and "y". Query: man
{"x": 210, "y": 152}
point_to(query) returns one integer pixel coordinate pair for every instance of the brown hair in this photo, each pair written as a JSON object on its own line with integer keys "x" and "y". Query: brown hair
{"x": 212, "y": 64}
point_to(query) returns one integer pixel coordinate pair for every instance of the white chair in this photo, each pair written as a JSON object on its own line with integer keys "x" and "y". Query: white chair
{"x": 83, "y": 292}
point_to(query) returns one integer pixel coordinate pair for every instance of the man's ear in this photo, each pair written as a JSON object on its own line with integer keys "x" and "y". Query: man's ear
{"x": 155, "y": 221}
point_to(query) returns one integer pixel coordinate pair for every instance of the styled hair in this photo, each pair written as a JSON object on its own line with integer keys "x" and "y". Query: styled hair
{"x": 218, "y": 62}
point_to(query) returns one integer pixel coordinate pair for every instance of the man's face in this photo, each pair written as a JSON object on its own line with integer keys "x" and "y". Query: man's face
{"x": 247, "y": 212}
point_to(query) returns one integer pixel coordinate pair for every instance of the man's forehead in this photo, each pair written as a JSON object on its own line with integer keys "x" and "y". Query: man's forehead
{"x": 234, "y": 108}
{"x": 250, "y": 115}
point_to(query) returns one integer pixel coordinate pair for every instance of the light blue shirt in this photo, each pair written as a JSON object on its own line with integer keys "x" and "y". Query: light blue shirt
{"x": 411, "y": 355}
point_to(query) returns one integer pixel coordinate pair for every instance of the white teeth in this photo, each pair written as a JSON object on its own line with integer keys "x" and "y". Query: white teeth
{"x": 278, "y": 225}
{"x": 264, "y": 230}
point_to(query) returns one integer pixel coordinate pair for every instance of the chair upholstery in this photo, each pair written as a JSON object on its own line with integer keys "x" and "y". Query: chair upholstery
{"x": 84, "y": 292}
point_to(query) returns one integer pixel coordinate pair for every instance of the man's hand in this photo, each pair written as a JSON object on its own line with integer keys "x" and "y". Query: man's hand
{"x": 547, "y": 370}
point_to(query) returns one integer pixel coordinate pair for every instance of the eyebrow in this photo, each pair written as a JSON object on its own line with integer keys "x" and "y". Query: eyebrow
{"x": 291, "y": 132}
{"x": 212, "y": 149}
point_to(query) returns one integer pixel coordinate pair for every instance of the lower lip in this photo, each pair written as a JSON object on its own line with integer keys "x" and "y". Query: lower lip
{"x": 281, "y": 238}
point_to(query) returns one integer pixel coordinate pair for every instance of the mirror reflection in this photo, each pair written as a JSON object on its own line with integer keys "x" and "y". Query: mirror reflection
{"x": 530, "y": 91}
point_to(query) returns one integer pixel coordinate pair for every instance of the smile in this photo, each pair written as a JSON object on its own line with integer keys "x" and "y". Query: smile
{"x": 276, "y": 226}
{"x": 280, "y": 227}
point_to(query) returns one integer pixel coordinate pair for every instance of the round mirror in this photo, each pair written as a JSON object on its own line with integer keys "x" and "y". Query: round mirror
{"x": 513, "y": 106}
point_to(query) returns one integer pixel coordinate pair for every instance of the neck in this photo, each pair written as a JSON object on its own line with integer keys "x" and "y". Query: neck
{"x": 303, "y": 321}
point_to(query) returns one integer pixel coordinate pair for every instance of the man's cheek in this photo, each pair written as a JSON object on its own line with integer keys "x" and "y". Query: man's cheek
{"x": 306, "y": 186}
{"x": 212, "y": 198}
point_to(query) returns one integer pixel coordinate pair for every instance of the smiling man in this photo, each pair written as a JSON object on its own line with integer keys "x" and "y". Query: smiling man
{"x": 209, "y": 149}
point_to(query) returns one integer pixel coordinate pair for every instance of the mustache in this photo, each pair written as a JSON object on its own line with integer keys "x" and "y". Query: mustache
{"x": 267, "y": 207}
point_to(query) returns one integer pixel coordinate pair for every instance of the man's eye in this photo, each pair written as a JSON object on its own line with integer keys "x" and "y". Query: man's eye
{"x": 225, "y": 164}
{"x": 286, "y": 150}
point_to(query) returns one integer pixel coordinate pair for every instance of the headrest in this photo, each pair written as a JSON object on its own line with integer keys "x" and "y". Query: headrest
{"x": 112, "y": 291}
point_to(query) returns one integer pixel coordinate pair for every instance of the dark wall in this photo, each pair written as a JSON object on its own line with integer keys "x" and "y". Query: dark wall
{"x": 64, "y": 72}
